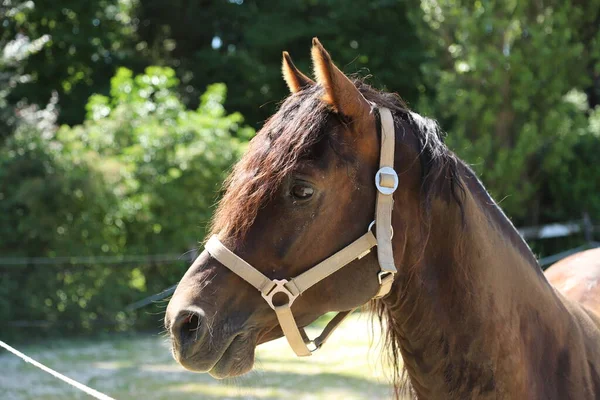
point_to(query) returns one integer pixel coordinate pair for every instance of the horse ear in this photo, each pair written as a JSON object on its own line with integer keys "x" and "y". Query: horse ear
{"x": 340, "y": 92}
{"x": 295, "y": 79}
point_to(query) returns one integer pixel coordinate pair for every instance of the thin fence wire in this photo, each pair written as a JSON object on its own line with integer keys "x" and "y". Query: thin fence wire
{"x": 151, "y": 299}
{"x": 95, "y": 260}
{"x": 564, "y": 254}
{"x": 533, "y": 232}
{"x": 88, "y": 390}
{"x": 554, "y": 230}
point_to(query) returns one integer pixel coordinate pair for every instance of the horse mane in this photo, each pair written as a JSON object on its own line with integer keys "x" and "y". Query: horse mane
{"x": 285, "y": 139}
{"x": 441, "y": 178}
{"x": 292, "y": 135}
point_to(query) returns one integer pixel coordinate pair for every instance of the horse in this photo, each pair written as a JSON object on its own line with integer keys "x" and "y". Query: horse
{"x": 464, "y": 306}
{"x": 578, "y": 278}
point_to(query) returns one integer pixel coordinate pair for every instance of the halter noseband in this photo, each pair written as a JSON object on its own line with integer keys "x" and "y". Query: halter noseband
{"x": 386, "y": 181}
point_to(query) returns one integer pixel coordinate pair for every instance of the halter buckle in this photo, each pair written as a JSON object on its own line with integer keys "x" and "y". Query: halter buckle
{"x": 279, "y": 288}
{"x": 382, "y": 180}
{"x": 382, "y": 275}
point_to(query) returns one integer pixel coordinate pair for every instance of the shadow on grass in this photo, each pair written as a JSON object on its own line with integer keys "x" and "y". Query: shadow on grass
{"x": 273, "y": 385}
{"x": 168, "y": 382}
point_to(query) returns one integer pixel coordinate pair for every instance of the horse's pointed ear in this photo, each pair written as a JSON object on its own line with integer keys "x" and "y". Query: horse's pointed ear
{"x": 295, "y": 79}
{"x": 340, "y": 92}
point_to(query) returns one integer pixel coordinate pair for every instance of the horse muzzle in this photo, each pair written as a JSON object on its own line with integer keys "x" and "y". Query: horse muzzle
{"x": 201, "y": 347}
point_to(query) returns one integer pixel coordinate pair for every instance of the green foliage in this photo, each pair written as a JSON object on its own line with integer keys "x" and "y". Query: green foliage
{"x": 14, "y": 50}
{"x": 139, "y": 176}
{"x": 87, "y": 41}
{"x": 506, "y": 80}
{"x": 46, "y": 197}
{"x": 235, "y": 42}
{"x": 138, "y": 163}
{"x": 574, "y": 186}
{"x": 240, "y": 43}
{"x": 158, "y": 156}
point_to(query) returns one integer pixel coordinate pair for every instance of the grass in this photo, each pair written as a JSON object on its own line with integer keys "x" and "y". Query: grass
{"x": 141, "y": 367}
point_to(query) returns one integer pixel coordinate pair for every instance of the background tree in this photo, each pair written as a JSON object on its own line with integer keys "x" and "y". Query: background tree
{"x": 240, "y": 43}
{"x": 140, "y": 176}
{"x": 14, "y": 51}
{"x": 87, "y": 41}
{"x": 507, "y": 80}
{"x": 114, "y": 138}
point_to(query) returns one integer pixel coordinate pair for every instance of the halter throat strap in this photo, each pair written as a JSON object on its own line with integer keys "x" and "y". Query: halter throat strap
{"x": 386, "y": 181}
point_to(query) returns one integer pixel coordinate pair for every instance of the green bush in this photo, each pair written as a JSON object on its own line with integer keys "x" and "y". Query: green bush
{"x": 574, "y": 187}
{"x": 508, "y": 82}
{"x": 140, "y": 176}
{"x": 86, "y": 42}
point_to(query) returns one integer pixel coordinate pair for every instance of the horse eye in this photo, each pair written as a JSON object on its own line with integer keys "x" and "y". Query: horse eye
{"x": 302, "y": 191}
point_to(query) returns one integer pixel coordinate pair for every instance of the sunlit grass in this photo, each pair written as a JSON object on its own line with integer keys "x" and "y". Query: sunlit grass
{"x": 348, "y": 367}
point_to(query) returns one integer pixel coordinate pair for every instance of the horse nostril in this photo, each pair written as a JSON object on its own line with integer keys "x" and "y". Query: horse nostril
{"x": 188, "y": 327}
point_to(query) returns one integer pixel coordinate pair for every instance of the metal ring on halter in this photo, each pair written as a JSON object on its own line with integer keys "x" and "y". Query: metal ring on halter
{"x": 373, "y": 224}
{"x": 382, "y": 275}
{"x": 279, "y": 288}
{"x": 387, "y": 171}
{"x": 312, "y": 346}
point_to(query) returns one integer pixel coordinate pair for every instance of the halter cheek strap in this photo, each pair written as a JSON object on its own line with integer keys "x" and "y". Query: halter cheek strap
{"x": 386, "y": 181}
{"x": 293, "y": 288}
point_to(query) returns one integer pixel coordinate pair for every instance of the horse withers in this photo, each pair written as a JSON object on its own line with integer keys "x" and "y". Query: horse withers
{"x": 469, "y": 313}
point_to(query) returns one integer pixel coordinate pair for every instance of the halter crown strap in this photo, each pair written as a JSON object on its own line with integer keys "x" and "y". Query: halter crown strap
{"x": 386, "y": 181}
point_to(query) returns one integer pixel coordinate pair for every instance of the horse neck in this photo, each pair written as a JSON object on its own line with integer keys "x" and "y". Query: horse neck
{"x": 459, "y": 314}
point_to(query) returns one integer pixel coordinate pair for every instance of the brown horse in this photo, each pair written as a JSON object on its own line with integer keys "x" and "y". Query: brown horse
{"x": 578, "y": 278}
{"x": 470, "y": 312}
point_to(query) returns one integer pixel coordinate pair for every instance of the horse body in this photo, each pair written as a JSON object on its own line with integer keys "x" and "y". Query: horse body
{"x": 484, "y": 322}
{"x": 470, "y": 312}
{"x": 578, "y": 278}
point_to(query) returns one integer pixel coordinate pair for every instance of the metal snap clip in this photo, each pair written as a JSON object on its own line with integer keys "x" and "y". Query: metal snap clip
{"x": 372, "y": 224}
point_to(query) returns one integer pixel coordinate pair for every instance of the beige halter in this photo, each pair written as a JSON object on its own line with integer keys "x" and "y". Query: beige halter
{"x": 386, "y": 181}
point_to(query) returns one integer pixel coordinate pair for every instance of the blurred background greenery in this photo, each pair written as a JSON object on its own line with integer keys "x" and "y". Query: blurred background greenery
{"x": 120, "y": 118}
